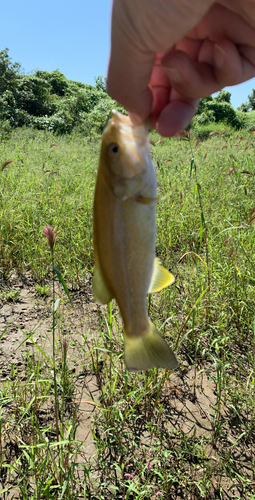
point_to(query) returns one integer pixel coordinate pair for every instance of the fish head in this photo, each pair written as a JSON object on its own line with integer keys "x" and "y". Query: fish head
{"x": 125, "y": 156}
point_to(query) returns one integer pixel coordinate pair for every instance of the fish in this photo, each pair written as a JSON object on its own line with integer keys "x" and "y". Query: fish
{"x": 124, "y": 226}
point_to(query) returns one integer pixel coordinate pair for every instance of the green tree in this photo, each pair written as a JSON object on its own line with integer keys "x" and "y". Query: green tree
{"x": 8, "y": 72}
{"x": 251, "y": 100}
{"x": 57, "y": 81}
{"x": 32, "y": 95}
{"x": 223, "y": 96}
{"x": 101, "y": 83}
{"x": 244, "y": 107}
{"x": 48, "y": 100}
{"x": 202, "y": 107}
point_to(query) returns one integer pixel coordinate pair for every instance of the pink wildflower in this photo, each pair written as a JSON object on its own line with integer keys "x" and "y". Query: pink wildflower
{"x": 159, "y": 493}
{"x": 149, "y": 465}
{"x": 129, "y": 476}
{"x": 51, "y": 235}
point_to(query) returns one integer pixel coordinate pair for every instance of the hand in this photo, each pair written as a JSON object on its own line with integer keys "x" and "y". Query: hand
{"x": 166, "y": 54}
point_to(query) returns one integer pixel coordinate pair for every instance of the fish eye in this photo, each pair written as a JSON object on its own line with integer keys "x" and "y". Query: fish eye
{"x": 113, "y": 149}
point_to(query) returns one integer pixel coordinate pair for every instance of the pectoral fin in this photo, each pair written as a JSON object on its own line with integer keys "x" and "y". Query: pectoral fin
{"x": 100, "y": 290}
{"x": 160, "y": 277}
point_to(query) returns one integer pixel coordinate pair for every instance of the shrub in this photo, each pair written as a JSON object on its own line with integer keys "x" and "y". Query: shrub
{"x": 247, "y": 119}
{"x": 224, "y": 112}
{"x": 244, "y": 108}
{"x": 202, "y": 107}
{"x": 33, "y": 94}
{"x": 204, "y": 118}
{"x": 5, "y": 130}
{"x": 203, "y": 131}
{"x": 8, "y": 107}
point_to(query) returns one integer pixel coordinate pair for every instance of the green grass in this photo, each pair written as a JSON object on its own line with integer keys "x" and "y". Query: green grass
{"x": 145, "y": 446}
{"x": 47, "y": 184}
{"x": 9, "y": 295}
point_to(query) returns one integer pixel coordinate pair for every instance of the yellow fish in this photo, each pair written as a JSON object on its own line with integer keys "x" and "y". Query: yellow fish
{"x": 124, "y": 240}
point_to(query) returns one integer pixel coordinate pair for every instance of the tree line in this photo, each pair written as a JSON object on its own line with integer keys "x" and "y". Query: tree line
{"x": 48, "y": 100}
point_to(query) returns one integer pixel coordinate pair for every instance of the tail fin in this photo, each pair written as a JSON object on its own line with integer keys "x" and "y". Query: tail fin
{"x": 148, "y": 351}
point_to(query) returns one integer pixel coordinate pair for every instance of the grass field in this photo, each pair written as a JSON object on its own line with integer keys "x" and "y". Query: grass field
{"x": 74, "y": 424}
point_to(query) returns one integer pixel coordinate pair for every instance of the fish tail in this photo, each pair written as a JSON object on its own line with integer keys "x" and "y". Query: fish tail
{"x": 149, "y": 350}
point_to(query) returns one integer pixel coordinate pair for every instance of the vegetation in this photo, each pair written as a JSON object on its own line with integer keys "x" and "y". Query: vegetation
{"x": 218, "y": 109}
{"x": 48, "y": 100}
{"x": 188, "y": 434}
{"x": 250, "y": 104}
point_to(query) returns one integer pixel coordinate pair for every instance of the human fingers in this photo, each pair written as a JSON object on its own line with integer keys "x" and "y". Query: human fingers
{"x": 139, "y": 31}
{"x": 171, "y": 112}
{"x": 214, "y": 55}
{"x": 176, "y": 115}
{"x": 230, "y": 66}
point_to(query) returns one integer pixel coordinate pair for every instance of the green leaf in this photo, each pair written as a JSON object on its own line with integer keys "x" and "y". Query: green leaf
{"x": 191, "y": 166}
{"x": 61, "y": 279}
{"x": 201, "y": 231}
{"x": 57, "y": 303}
{"x": 29, "y": 337}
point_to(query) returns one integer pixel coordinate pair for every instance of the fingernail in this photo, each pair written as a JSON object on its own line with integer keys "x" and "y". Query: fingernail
{"x": 174, "y": 75}
{"x": 219, "y": 56}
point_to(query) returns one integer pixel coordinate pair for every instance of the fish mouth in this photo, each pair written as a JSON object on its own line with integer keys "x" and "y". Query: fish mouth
{"x": 125, "y": 126}
{"x": 118, "y": 118}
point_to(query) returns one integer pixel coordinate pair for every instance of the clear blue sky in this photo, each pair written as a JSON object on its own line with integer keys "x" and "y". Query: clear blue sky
{"x": 72, "y": 36}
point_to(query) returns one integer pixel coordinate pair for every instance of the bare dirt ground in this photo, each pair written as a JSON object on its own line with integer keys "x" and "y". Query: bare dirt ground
{"x": 191, "y": 408}
{"x": 32, "y": 315}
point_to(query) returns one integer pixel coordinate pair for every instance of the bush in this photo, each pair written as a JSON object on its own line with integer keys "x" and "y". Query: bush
{"x": 202, "y": 107}
{"x": 224, "y": 112}
{"x": 203, "y": 131}
{"x": 5, "y": 130}
{"x": 204, "y": 118}
{"x": 8, "y": 107}
{"x": 32, "y": 95}
{"x": 247, "y": 119}
{"x": 218, "y": 109}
